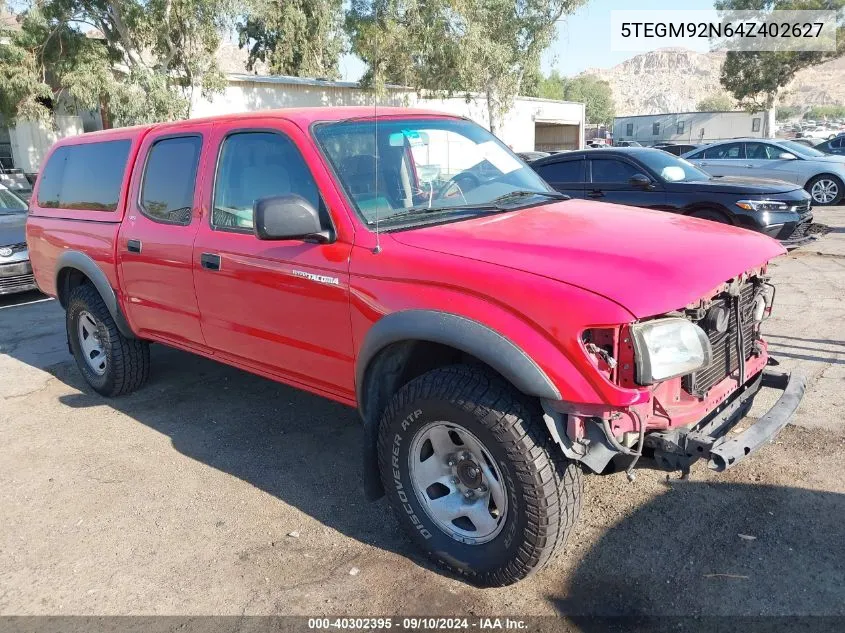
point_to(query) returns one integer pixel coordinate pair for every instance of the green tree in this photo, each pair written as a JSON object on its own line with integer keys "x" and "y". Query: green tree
{"x": 719, "y": 102}
{"x": 755, "y": 78}
{"x": 818, "y": 113}
{"x": 595, "y": 94}
{"x": 553, "y": 86}
{"x": 141, "y": 61}
{"x": 455, "y": 46}
{"x": 531, "y": 81}
{"x": 303, "y": 38}
{"x": 787, "y": 112}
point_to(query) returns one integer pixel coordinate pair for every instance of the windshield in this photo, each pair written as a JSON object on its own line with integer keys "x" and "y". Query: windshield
{"x": 800, "y": 148}
{"x": 670, "y": 168}
{"x": 438, "y": 166}
{"x": 10, "y": 203}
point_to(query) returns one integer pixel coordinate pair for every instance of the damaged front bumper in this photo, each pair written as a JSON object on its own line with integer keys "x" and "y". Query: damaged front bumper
{"x": 677, "y": 449}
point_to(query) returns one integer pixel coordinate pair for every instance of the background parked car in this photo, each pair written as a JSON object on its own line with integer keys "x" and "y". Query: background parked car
{"x": 822, "y": 175}
{"x": 833, "y": 146}
{"x": 627, "y": 144}
{"x": 529, "y": 156}
{"x": 676, "y": 148}
{"x": 648, "y": 177}
{"x": 16, "y": 181}
{"x": 809, "y": 141}
{"x": 15, "y": 269}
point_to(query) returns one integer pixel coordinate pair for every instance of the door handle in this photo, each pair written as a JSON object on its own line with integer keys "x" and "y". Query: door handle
{"x": 210, "y": 261}
{"x": 750, "y": 166}
{"x": 133, "y": 246}
{"x": 596, "y": 194}
{"x": 703, "y": 164}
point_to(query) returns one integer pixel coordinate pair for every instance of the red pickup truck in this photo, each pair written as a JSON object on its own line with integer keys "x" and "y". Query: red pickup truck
{"x": 497, "y": 338}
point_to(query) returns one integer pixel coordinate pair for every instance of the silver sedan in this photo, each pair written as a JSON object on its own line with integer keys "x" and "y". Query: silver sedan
{"x": 822, "y": 175}
{"x": 15, "y": 269}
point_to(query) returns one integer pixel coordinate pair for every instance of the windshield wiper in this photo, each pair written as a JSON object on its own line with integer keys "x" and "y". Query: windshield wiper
{"x": 486, "y": 206}
{"x": 522, "y": 193}
{"x": 493, "y": 205}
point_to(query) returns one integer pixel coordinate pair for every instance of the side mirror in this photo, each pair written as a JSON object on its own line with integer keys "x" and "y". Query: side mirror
{"x": 641, "y": 181}
{"x": 288, "y": 217}
{"x": 787, "y": 156}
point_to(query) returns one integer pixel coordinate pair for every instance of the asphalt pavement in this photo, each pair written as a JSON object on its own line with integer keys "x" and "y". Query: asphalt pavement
{"x": 212, "y": 491}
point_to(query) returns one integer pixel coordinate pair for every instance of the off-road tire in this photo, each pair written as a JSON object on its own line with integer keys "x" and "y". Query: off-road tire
{"x": 837, "y": 200}
{"x": 543, "y": 487}
{"x": 127, "y": 359}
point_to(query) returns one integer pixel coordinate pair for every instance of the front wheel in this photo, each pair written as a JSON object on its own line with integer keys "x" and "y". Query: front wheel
{"x": 110, "y": 362}
{"x": 474, "y": 477}
{"x": 825, "y": 190}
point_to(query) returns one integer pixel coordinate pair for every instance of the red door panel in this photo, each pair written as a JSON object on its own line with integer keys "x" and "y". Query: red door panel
{"x": 155, "y": 251}
{"x": 280, "y": 307}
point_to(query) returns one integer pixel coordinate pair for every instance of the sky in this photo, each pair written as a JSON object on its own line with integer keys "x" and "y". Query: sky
{"x": 583, "y": 39}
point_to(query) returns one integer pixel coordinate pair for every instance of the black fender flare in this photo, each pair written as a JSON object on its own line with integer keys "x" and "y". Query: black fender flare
{"x": 449, "y": 329}
{"x": 698, "y": 207}
{"x": 88, "y": 267}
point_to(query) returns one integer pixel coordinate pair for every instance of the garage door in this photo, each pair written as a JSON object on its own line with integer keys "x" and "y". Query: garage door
{"x": 554, "y": 136}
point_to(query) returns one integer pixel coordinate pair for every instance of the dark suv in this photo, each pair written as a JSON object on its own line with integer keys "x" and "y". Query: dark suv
{"x": 652, "y": 178}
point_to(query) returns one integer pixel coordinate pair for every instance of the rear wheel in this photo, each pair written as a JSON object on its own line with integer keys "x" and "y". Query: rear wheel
{"x": 111, "y": 363}
{"x": 826, "y": 190}
{"x": 474, "y": 477}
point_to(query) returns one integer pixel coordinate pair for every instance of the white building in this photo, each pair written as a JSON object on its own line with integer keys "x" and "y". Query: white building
{"x": 23, "y": 146}
{"x": 540, "y": 124}
{"x": 532, "y": 124}
{"x": 693, "y": 127}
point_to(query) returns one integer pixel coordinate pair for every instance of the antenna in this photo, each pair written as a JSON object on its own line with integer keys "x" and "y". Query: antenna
{"x": 377, "y": 248}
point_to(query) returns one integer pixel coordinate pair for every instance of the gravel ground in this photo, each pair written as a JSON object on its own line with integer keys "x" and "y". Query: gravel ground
{"x": 212, "y": 491}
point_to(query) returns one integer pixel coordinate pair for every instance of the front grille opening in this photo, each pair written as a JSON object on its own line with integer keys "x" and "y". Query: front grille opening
{"x": 724, "y": 344}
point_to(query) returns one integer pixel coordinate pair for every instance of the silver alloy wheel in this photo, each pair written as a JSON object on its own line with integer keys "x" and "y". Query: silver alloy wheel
{"x": 458, "y": 483}
{"x": 88, "y": 330}
{"x": 824, "y": 191}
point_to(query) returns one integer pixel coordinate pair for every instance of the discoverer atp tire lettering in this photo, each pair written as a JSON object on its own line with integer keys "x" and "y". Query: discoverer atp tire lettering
{"x": 543, "y": 489}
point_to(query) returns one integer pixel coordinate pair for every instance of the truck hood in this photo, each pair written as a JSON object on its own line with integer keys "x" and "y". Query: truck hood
{"x": 738, "y": 185}
{"x": 649, "y": 262}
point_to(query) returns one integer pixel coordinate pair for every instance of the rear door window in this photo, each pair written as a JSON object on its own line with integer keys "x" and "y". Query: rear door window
{"x": 563, "y": 171}
{"x": 728, "y": 151}
{"x": 167, "y": 191}
{"x": 88, "y": 176}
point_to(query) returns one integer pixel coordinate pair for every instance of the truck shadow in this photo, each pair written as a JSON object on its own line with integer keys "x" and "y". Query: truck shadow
{"x": 713, "y": 550}
{"x": 300, "y": 448}
{"x": 680, "y": 553}
{"x": 812, "y": 349}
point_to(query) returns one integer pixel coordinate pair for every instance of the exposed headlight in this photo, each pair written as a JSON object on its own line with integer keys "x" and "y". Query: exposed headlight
{"x": 666, "y": 348}
{"x": 762, "y": 205}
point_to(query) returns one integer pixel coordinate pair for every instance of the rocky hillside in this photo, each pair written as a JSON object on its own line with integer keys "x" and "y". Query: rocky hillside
{"x": 675, "y": 80}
